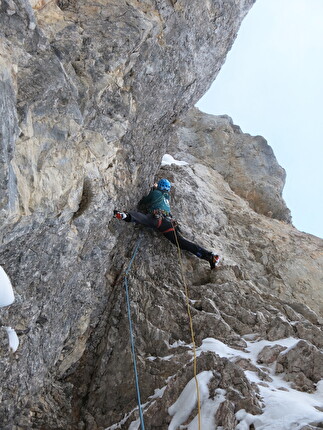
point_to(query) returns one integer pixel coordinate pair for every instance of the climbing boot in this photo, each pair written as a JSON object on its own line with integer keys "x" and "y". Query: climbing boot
{"x": 214, "y": 261}
{"x": 119, "y": 215}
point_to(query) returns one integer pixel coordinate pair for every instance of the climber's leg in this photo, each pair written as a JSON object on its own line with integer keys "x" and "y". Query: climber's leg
{"x": 136, "y": 217}
{"x": 186, "y": 245}
{"x": 168, "y": 230}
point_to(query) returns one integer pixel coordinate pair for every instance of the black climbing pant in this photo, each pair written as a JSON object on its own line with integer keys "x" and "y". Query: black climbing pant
{"x": 166, "y": 227}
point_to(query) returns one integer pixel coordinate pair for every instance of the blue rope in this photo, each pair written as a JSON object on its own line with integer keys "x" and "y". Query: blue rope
{"x": 132, "y": 342}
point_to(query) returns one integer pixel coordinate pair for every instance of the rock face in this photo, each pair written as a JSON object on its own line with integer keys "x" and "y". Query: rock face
{"x": 88, "y": 89}
{"x": 247, "y": 163}
{"x": 91, "y": 97}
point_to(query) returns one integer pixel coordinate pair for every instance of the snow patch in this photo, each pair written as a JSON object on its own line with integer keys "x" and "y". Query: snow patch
{"x": 166, "y": 358}
{"x": 255, "y": 347}
{"x": 208, "y": 410}
{"x": 168, "y": 159}
{"x": 6, "y": 292}
{"x": 285, "y": 408}
{"x": 124, "y": 420}
{"x": 220, "y": 348}
{"x": 13, "y": 339}
{"x": 187, "y": 401}
{"x": 177, "y": 344}
{"x": 158, "y": 394}
{"x": 134, "y": 425}
{"x": 151, "y": 358}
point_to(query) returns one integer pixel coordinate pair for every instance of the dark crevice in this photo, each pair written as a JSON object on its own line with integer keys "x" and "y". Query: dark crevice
{"x": 86, "y": 198}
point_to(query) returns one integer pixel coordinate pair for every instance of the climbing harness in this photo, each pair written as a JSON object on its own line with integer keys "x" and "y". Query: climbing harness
{"x": 159, "y": 213}
{"x": 132, "y": 341}
{"x": 191, "y": 329}
{"x": 172, "y": 221}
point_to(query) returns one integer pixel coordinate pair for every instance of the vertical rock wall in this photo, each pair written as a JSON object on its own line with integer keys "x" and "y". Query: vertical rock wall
{"x": 92, "y": 96}
{"x": 89, "y": 95}
{"x": 90, "y": 89}
{"x": 246, "y": 162}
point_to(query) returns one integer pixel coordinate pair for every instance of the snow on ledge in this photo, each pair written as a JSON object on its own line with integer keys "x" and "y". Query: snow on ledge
{"x": 187, "y": 401}
{"x": 13, "y": 339}
{"x": 6, "y": 292}
{"x": 168, "y": 159}
{"x": 285, "y": 408}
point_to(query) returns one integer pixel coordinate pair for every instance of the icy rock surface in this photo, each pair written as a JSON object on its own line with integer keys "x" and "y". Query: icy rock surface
{"x": 92, "y": 94}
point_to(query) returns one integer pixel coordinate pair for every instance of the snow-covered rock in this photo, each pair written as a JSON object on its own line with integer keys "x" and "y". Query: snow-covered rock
{"x": 168, "y": 160}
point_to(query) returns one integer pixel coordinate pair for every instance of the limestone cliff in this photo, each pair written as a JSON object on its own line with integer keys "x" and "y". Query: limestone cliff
{"x": 92, "y": 96}
{"x": 247, "y": 163}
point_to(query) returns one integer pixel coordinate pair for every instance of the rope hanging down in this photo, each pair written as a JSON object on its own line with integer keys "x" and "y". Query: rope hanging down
{"x": 132, "y": 342}
{"x": 192, "y": 331}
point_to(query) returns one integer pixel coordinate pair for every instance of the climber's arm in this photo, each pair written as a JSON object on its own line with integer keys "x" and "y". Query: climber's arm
{"x": 146, "y": 200}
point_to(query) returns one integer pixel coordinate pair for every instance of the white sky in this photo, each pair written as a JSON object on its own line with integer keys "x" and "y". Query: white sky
{"x": 272, "y": 85}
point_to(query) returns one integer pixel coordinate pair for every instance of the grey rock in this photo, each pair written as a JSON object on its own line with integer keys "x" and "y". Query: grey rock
{"x": 268, "y": 355}
{"x": 225, "y": 416}
{"x": 97, "y": 87}
{"x": 92, "y": 97}
{"x": 303, "y": 365}
{"x": 246, "y": 162}
{"x": 240, "y": 398}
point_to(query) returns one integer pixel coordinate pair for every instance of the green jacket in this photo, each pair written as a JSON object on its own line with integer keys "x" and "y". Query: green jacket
{"x": 156, "y": 200}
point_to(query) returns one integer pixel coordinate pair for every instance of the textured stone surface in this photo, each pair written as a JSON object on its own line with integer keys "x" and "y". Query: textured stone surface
{"x": 225, "y": 377}
{"x": 91, "y": 96}
{"x": 268, "y": 355}
{"x": 303, "y": 365}
{"x": 91, "y": 88}
{"x": 246, "y": 162}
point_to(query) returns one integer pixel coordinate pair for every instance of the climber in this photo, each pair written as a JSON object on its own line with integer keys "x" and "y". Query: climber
{"x": 159, "y": 217}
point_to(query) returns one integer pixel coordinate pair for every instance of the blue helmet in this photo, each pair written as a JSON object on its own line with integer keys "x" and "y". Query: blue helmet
{"x": 164, "y": 185}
